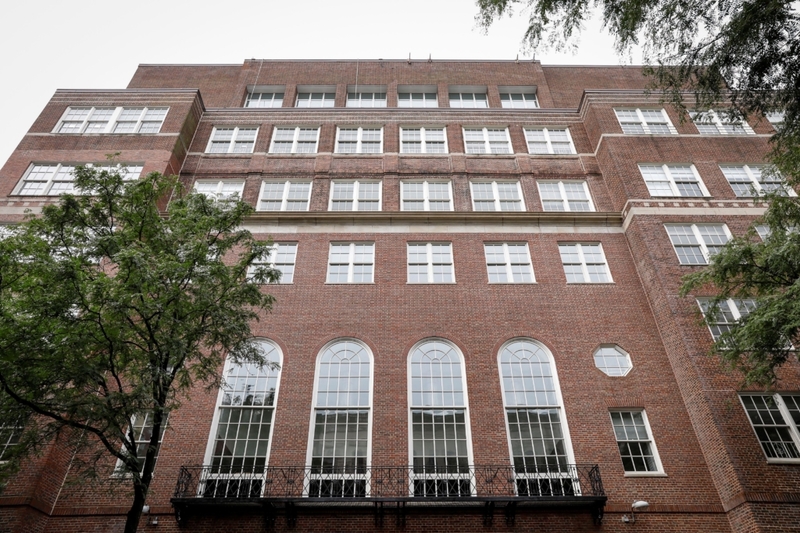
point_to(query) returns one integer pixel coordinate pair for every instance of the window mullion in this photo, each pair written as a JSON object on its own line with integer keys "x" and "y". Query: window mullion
{"x": 584, "y": 267}
{"x": 296, "y": 139}
{"x": 429, "y": 256}
{"x": 111, "y": 121}
{"x": 426, "y": 200}
{"x": 547, "y": 140}
{"x": 496, "y": 196}
{"x": 787, "y": 418}
{"x": 753, "y": 180}
{"x": 699, "y": 237}
{"x": 562, "y": 191}
{"x": 673, "y": 187}
{"x": 642, "y": 121}
{"x": 351, "y": 257}
{"x": 285, "y": 197}
{"x": 140, "y": 120}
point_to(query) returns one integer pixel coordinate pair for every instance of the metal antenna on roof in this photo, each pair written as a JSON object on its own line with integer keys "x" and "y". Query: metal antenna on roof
{"x": 409, "y": 58}
{"x": 429, "y": 58}
{"x": 517, "y": 60}
{"x": 357, "y": 60}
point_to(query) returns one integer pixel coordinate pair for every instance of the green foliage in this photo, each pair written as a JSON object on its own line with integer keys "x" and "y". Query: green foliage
{"x": 110, "y": 308}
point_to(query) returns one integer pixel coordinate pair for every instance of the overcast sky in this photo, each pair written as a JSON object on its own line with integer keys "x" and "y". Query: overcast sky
{"x": 97, "y": 44}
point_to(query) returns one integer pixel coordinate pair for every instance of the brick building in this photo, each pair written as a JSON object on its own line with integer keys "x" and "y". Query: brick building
{"x": 478, "y": 324}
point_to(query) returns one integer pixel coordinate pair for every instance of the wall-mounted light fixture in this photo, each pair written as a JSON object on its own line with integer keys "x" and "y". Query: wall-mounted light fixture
{"x": 638, "y": 505}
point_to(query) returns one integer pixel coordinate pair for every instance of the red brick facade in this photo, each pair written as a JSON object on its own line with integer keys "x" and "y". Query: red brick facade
{"x": 714, "y": 475}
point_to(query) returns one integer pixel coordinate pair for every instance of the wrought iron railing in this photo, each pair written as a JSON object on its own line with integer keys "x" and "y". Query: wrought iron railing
{"x": 393, "y": 482}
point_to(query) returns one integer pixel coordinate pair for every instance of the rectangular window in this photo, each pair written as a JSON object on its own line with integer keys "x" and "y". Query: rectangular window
{"x": 316, "y": 96}
{"x": 9, "y": 437}
{"x": 417, "y": 96}
{"x": 233, "y": 140}
{"x": 430, "y": 262}
{"x": 565, "y": 196}
{"x": 366, "y": 96}
{"x": 469, "y": 97}
{"x": 636, "y": 446}
{"x": 487, "y": 141}
{"x": 355, "y": 196}
{"x": 584, "y": 263}
{"x": 357, "y": 140}
{"x": 518, "y": 97}
{"x": 776, "y": 118}
{"x": 730, "y": 312}
{"x": 497, "y": 196}
{"x": 549, "y": 141}
{"x": 351, "y": 262}
{"x": 299, "y": 140}
{"x": 508, "y": 262}
{"x": 426, "y": 196}
{"x": 712, "y": 123}
{"x": 281, "y": 257}
{"x": 142, "y": 429}
{"x": 775, "y": 419}
{"x": 426, "y": 140}
{"x": 112, "y": 120}
{"x": 221, "y": 190}
{"x": 53, "y": 179}
{"x": 644, "y": 121}
{"x": 673, "y": 180}
{"x": 264, "y": 96}
{"x": 284, "y": 196}
{"x": 754, "y": 180}
{"x": 695, "y": 243}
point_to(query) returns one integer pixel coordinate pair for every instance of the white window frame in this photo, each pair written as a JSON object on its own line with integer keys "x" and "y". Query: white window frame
{"x": 285, "y": 197}
{"x": 426, "y": 194}
{"x": 423, "y": 139}
{"x": 701, "y": 243}
{"x": 667, "y": 169}
{"x": 643, "y": 121}
{"x": 468, "y": 97}
{"x": 356, "y": 194}
{"x": 284, "y": 249}
{"x": 375, "y": 92}
{"x": 429, "y": 251}
{"x": 9, "y": 433}
{"x": 508, "y": 263}
{"x": 496, "y": 196}
{"x": 651, "y": 440}
{"x": 360, "y": 141}
{"x": 113, "y": 120}
{"x": 429, "y": 96}
{"x": 295, "y": 139}
{"x": 788, "y": 421}
{"x": 132, "y": 171}
{"x": 305, "y": 96}
{"x": 350, "y": 262}
{"x": 275, "y": 100}
{"x": 487, "y": 144}
{"x": 563, "y": 192}
{"x": 624, "y": 355}
{"x": 584, "y": 265}
{"x": 530, "y": 100}
{"x": 547, "y": 139}
{"x": 119, "y": 467}
{"x": 720, "y": 123}
{"x": 755, "y": 183}
{"x": 734, "y": 308}
{"x": 220, "y": 183}
{"x": 234, "y": 140}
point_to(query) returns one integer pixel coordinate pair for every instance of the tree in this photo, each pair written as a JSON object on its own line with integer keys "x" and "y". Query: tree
{"x": 111, "y": 309}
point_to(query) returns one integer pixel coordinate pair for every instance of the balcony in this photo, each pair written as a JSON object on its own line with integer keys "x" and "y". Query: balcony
{"x": 387, "y": 489}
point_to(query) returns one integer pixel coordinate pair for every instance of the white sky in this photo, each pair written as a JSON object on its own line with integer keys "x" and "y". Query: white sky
{"x": 97, "y": 44}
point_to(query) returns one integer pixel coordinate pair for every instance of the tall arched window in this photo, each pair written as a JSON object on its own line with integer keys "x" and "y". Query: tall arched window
{"x": 540, "y": 449}
{"x": 242, "y": 428}
{"x": 340, "y": 449}
{"x": 441, "y": 451}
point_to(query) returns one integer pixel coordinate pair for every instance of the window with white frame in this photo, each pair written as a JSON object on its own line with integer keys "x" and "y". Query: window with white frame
{"x": 776, "y": 421}
{"x": 220, "y": 190}
{"x": 584, "y": 263}
{"x": 339, "y": 451}
{"x": 423, "y": 140}
{"x": 672, "y": 180}
{"x": 549, "y": 141}
{"x": 282, "y": 258}
{"x": 355, "y": 196}
{"x": 287, "y": 195}
{"x": 356, "y": 140}
{"x": 470, "y": 97}
{"x": 487, "y": 141}
{"x": 612, "y": 360}
{"x": 565, "y": 196}
{"x": 298, "y": 140}
{"x": 351, "y": 262}
{"x": 238, "y": 450}
{"x": 316, "y": 96}
{"x": 426, "y": 196}
{"x": 430, "y": 262}
{"x": 712, "y": 123}
{"x": 644, "y": 121}
{"x": 695, "y": 243}
{"x": 518, "y": 97}
{"x": 637, "y": 449}
{"x": 537, "y": 432}
{"x": 726, "y": 315}
{"x": 417, "y": 96}
{"x": 53, "y": 179}
{"x": 141, "y": 428}
{"x": 9, "y": 437}
{"x": 754, "y": 180}
{"x": 112, "y": 120}
{"x": 233, "y": 140}
{"x": 366, "y": 96}
{"x": 264, "y": 96}
{"x": 441, "y": 450}
{"x": 496, "y": 196}
{"x": 763, "y": 231}
{"x": 776, "y": 118}
{"x": 508, "y": 262}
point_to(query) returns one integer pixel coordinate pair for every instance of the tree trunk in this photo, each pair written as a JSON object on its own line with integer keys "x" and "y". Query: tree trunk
{"x": 135, "y": 514}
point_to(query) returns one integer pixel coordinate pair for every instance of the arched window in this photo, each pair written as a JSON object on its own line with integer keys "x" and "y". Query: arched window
{"x": 340, "y": 448}
{"x": 540, "y": 449}
{"x": 242, "y": 428}
{"x": 441, "y": 452}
